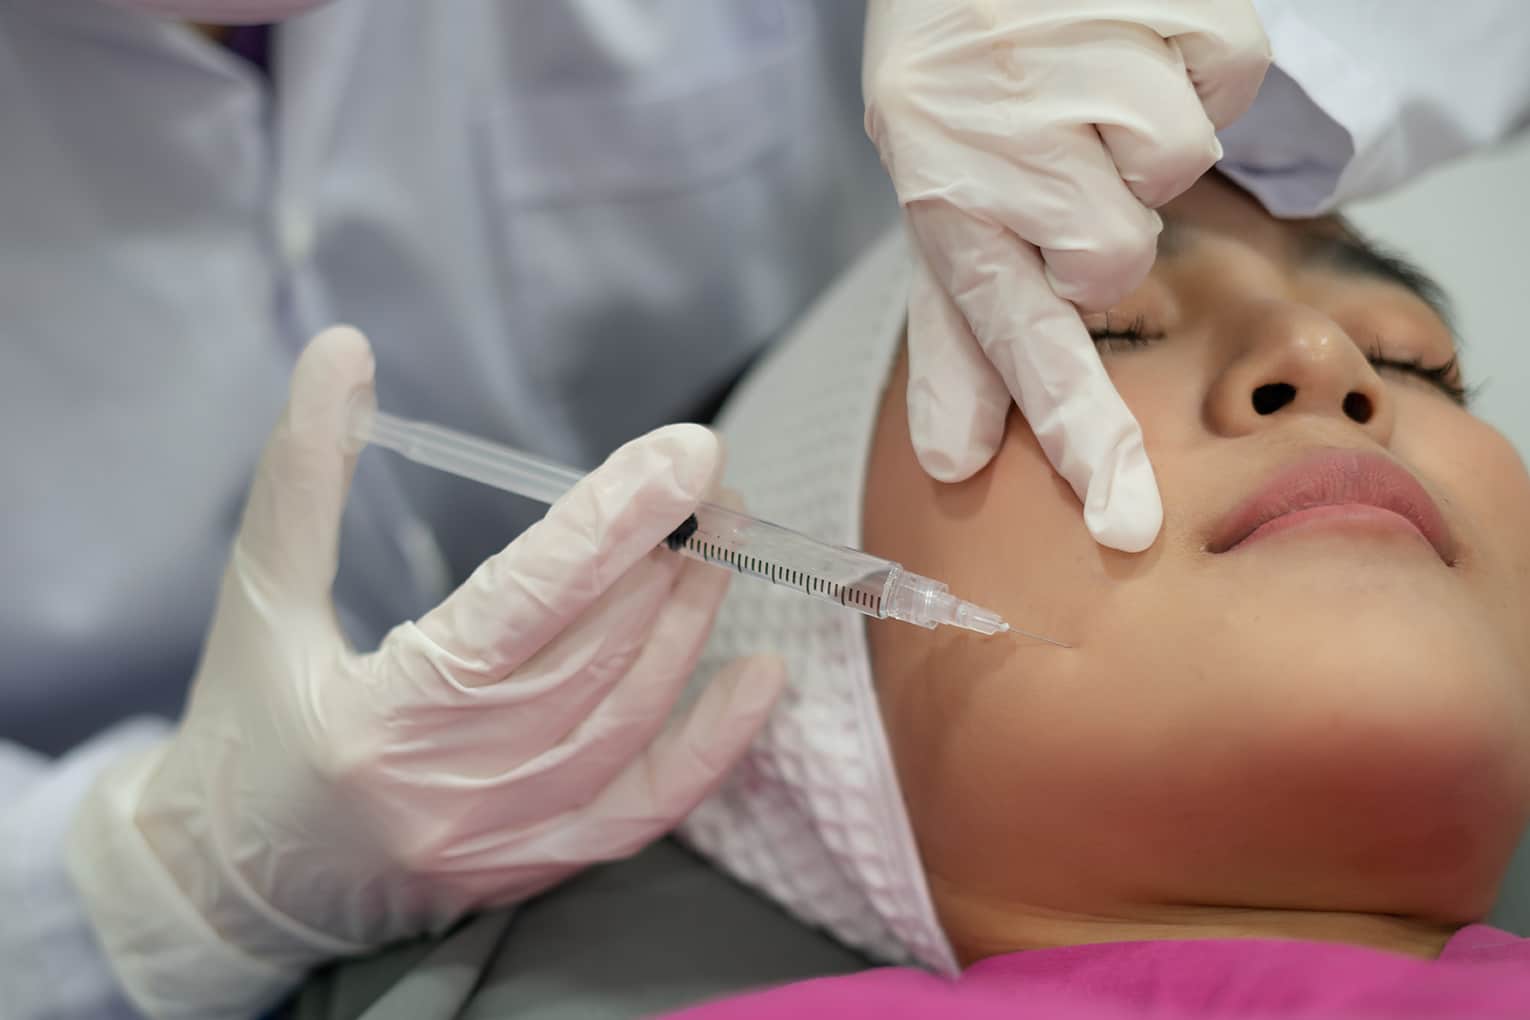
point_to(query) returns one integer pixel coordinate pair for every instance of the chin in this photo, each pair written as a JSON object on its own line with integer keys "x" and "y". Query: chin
{"x": 1365, "y": 755}
{"x": 1395, "y": 761}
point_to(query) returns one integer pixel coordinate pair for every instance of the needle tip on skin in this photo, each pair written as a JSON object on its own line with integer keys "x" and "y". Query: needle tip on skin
{"x": 1017, "y": 632}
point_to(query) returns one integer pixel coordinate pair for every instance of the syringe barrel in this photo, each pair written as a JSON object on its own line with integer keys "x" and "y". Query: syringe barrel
{"x": 833, "y": 573}
{"x": 836, "y": 574}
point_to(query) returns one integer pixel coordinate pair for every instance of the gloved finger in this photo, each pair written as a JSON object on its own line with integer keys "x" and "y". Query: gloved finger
{"x": 626, "y": 722}
{"x": 1157, "y": 134}
{"x": 497, "y": 727}
{"x": 288, "y": 541}
{"x": 957, "y": 402}
{"x": 1097, "y": 239}
{"x": 521, "y": 598}
{"x": 677, "y": 771}
{"x": 1040, "y": 347}
{"x": 1226, "y": 59}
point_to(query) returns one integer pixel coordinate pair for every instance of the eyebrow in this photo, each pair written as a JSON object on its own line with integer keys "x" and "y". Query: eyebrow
{"x": 1346, "y": 250}
{"x": 1351, "y": 252}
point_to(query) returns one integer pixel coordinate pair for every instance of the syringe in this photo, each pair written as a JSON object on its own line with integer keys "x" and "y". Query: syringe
{"x": 747, "y": 545}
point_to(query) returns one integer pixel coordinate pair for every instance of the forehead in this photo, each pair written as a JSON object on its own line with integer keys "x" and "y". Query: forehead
{"x": 1216, "y": 206}
{"x": 1327, "y": 245}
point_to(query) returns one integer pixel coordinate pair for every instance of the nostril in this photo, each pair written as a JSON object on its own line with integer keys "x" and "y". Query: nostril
{"x": 1358, "y": 407}
{"x": 1271, "y": 397}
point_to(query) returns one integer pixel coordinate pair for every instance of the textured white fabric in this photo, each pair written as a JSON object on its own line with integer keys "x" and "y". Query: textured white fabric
{"x": 813, "y": 816}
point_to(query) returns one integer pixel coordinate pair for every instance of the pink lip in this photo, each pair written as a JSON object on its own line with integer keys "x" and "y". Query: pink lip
{"x": 1337, "y": 488}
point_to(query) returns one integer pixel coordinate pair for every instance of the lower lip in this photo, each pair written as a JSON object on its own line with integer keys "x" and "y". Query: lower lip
{"x": 1349, "y": 517}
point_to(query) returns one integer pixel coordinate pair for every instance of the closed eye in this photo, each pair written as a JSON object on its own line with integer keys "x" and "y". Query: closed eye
{"x": 1444, "y": 377}
{"x": 1134, "y": 334}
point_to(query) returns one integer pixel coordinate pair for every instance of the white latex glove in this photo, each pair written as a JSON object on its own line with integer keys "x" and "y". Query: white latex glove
{"x": 1029, "y": 141}
{"x": 318, "y": 802}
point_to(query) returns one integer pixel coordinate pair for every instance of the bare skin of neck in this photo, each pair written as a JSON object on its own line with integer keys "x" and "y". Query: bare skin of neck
{"x": 980, "y": 928}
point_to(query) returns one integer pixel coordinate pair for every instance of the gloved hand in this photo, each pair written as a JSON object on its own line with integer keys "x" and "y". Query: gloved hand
{"x": 1029, "y": 142}
{"x": 316, "y": 802}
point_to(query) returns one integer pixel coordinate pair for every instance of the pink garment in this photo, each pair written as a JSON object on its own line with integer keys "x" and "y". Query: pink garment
{"x": 1481, "y": 973}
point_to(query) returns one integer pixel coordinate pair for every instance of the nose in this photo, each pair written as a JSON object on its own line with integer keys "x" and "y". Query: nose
{"x": 1295, "y": 361}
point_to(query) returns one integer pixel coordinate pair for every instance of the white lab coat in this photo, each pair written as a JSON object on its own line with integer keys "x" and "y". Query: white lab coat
{"x": 1368, "y": 94}
{"x": 560, "y": 224}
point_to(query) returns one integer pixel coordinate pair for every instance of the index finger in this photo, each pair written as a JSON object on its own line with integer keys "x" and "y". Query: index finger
{"x": 520, "y": 598}
{"x": 1048, "y": 361}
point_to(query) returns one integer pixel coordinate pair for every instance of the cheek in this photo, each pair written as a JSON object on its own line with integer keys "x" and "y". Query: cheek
{"x": 1165, "y": 385}
{"x": 1484, "y": 490}
{"x": 972, "y": 720}
{"x": 1203, "y": 694}
{"x": 1015, "y": 539}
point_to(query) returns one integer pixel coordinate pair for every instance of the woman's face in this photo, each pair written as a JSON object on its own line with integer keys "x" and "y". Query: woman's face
{"x": 1331, "y": 714}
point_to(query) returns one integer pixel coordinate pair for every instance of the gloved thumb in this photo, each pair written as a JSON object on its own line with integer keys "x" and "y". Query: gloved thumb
{"x": 289, "y": 540}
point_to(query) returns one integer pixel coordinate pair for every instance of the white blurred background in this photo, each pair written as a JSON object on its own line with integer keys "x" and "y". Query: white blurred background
{"x": 1468, "y": 226}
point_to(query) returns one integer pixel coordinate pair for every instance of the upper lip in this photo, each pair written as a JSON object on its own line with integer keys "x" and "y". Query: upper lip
{"x": 1338, "y": 478}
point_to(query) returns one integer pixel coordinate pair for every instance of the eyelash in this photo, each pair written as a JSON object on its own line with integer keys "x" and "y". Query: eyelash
{"x": 1134, "y": 334}
{"x": 1446, "y": 377}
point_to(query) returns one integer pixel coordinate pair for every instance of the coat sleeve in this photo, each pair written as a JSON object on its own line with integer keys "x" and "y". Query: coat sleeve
{"x": 50, "y": 963}
{"x": 1365, "y": 95}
